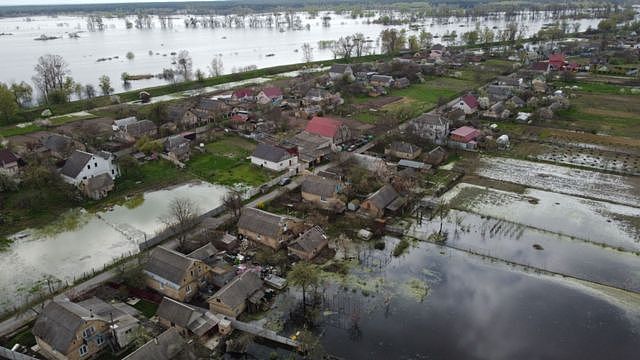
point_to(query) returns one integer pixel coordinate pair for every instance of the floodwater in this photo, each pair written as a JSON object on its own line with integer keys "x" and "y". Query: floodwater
{"x": 596, "y": 221}
{"x": 235, "y": 47}
{"x": 96, "y": 240}
{"x": 592, "y": 184}
{"x": 473, "y": 309}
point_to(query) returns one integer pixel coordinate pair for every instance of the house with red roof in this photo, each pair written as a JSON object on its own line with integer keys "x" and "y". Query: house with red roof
{"x": 557, "y": 61}
{"x": 326, "y": 127}
{"x": 464, "y": 138}
{"x": 468, "y": 103}
{"x": 244, "y": 94}
{"x": 8, "y": 161}
{"x": 540, "y": 66}
{"x": 270, "y": 94}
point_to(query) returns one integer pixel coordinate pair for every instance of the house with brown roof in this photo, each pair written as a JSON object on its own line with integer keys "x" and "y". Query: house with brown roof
{"x": 436, "y": 156}
{"x": 403, "y": 150}
{"x": 67, "y": 330}
{"x": 468, "y": 103}
{"x": 309, "y": 244}
{"x": 178, "y": 147}
{"x": 174, "y": 274}
{"x": 386, "y": 198}
{"x": 341, "y": 71}
{"x": 169, "y": 345}
{"x": 189, "y": 320}
{"x": 330, "y": 128}
{"x": 8, "y": 161}
{"x": 244, "y": 291}
{"x": 269, "y": 95}
{"x": 322, "y": 192}
{"x": 244, "y": 94}
{"x": 98, "y": 187}
{"x": 267, "y": 229}
{"x": 133, "y": 131}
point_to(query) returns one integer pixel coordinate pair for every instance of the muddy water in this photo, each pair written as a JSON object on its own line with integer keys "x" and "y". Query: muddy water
{"x": 614, "y": 188}
{"x": 473, "y": 309}
{"x": 596, "y": 221}
{"x": 64, "y": 253}
{"x": 558, "y": 253}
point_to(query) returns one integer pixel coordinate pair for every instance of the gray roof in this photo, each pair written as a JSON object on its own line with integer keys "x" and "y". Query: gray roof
{"x": 168, "y": 264}
{"x": 310, "y": 240}
{"x": 455, "y": 114}
{"x": 261, "y": 222}
{"x": 205, "y": 252}
{"x": 196, "y": 319}
{"x": 141, "y": 127}
{"x": 413, "y": 164}
{"x": 7, "y": 157}
{"x": 238, "y": 290}
{"x": 57, "y": 143}
{"x": 317, "y": 92}
{"x": 404, "y": 147}
{"x": 166, "y": 346}
{"x": 124, "y": 122}
{"x": 383, "y": 197}
{"x": 59, "y": 323}
{"x": 100, "y": 182}
{"x": 271, "y": 153}
{"x": 382, "y": 78}
{"x": 431, "y": 119}
{"x": 499, "y": 90}
{"x": 317, "y": 185}
{"x": 339, "y": 68}
{"x": 75, "y": 163}
{"x": 212, "y": 105}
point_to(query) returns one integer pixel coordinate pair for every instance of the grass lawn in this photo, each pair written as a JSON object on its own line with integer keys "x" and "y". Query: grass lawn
{"x": 147, "y": 308}
{"x": 225, "y": 162}
{"x": 25, "y": 338}
{"x": 14, "y": 130}
{"x": 600, "y": 88}
{"x": 611, "y": 114}
{"x": 63, "y": 119}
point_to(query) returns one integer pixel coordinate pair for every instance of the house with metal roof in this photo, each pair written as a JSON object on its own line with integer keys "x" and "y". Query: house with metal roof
{"x": 330, "y": 128}
{"x": 8, "y": 161}
{"x": 403, "y": 150}
{"x": 273, "y": 157}
{"x": 309, "y": 244}
{"x": 265, "y": 228}
{"x": 386, "y": 198}
{"x": 322, "y": 192}
{"x": 167, "y": 346}
{"x": 245, "y": 290}
{"x": 81, "y": 166}
{"x": 341, "y": 71}
{"x": 174, "y": 274}
{"x": 187, "y": 319}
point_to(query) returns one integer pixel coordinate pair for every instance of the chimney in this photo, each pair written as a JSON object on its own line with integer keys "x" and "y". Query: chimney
{"x": 90, "y": 312}
{"x": 155, "y": 340}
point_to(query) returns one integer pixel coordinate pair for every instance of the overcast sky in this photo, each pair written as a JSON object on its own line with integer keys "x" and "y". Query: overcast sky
{"x": 45, "y": 2}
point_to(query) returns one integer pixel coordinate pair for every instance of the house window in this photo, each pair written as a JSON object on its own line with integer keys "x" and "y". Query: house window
{"x": 88, "y": 166}
{"x": 113, "y": 172}
{"x": 84, "y": 350}
{"x": 99, "y": 340}
{"x": 88, "y": 332}
{"x": 95, "y": 164}
{"x": 188, "y": 289}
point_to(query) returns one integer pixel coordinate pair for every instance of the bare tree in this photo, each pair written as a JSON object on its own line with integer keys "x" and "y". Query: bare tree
{"x": 183, "y": 214}
{"x": 183, "y": 64}
{"x": 362, "y": 46}
{"x": 216, "y": 67}
{"x": 232, "y": 202}
{"x": 307, "y": 52}
{"x": 343, "y": 48}
{"x": 51, "y": 73}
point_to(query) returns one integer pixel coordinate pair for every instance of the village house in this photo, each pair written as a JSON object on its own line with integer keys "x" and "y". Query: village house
{"x": 166, "y": 346}
{"x": 322, "y": 192}
{"x": 98, "y": 187}
{"x": 121, "y": 124}
{"x": 174, "y": 274}
{"x": 273, "y": 158}
{"x": 513, "y": 82}
{"x": 311, "y": 148}
{"x": 270, "y": 95}
{"x": 416, "y": 166}
{"x": 381, "y": 80}
{"x": 468, "y": 103}
{"x": 499, "y": 92}
{"x": 330, "y": 128}
{"x": 81, "y": 166}
{"x": 132, "y": 131}
{"x": 244, "y": 94}
{"x": 341, "y": 71}
{"x": 497, "y": 111}
{"x": 226, "y": 242}
{"x": 403, "y": 150}
{"x": 219, "y": 271}
{"x": 316, "y": 96}
{"x": 244, "y": 291}
{"x": 209, "y": 110}
{"x": 464, "y": 138}
{"x": 540, "y": 67}
{"x": 60, "y": 146}
{"x": 177, "y": 147}
{"x": 433, "y": 127}
{"x": 189, "y": 320}
{"x": 436, "y": 156}
{"x": 266, "y": 228}
{"x": 66, "y": 330}
{"x": 8, "y": 161}
{"x": 386, "y": 198}
{"x": 401, "y": 83}
{"x": 309, "y": 244}
{"x": 557, "y": 61}
{"x": 455, "y": 116}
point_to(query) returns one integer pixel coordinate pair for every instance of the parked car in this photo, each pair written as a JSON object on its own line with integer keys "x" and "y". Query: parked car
{"x": 285, "y": 181}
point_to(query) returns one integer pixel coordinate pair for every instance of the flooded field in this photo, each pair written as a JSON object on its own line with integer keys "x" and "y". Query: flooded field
{"x": 95, "y": 53}
{"x": 81, "y": 241}
{"x": 608, "y": 187}
{"x": 595, "y": 221}
{"x": 437, "y": 303}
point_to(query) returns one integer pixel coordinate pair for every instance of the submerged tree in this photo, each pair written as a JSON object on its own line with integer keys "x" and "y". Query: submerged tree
{"x": 52, "y": 71}
{"x": 304, "y": 275}
{"x": 105, "y": 85}
{"x": 183, "y": 64}
{"x": 183, "y": 214}
{"x": 307, "y": 53}
{"x": 392, "y": 40}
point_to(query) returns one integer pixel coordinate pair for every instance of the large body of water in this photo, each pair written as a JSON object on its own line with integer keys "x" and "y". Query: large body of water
{"x": 97, "y": 240}
{"x": 235, "y": 47}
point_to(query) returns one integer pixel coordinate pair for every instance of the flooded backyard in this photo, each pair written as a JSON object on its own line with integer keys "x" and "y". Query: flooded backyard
{"x": 81, "y": 242}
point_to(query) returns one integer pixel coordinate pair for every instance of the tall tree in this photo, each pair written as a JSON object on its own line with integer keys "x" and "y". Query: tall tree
{"x": 105, "y": 85}
{"x": 8, "y": 104}
{"x": 23, "y": 93}
{"x": 51, "y": 72}
{"x": 307, "y": 53}
{"x": 216, "y": 67}
{"x": 183, "y": 64}
{"x": 304, "y": 275}
{"x": 183, "y": 214}
{"x": 393, "y": 40}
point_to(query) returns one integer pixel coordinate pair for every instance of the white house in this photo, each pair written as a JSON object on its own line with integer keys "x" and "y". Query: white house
{"x": 273, "y": 158}
{"x": 468, "y": 103}
{"x": 341, "y": 71}
{"x": 81, "y": 166}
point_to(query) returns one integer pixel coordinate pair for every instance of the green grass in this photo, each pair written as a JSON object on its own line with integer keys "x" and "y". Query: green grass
{"x": 24, "y": 337}
{"x": 14, "y": 131}
{"x": 147, "y": 308}
{"x": 63, "y": 119}
{"x": 600, "y": 88}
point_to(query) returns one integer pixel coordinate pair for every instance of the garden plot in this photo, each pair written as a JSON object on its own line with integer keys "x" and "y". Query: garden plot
{"x": 590, "y": 157}
{"x": 598, "y": 222}
{"x": 608, "y": 187}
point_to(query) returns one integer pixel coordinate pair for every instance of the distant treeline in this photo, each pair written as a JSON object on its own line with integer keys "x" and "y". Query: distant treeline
{"x": 239, "y": 6}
